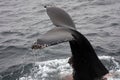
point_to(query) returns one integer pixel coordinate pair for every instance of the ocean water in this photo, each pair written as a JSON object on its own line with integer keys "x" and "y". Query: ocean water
{"x": 23, "y": 21}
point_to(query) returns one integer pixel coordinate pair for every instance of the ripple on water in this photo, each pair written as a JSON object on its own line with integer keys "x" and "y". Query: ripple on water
{"x": 13, "y": 50}
{"x": 104, "y": 2}
{"x": 91, "y": 34}
{"x": 12, "y": 41}
{"x": 8, "y": 33}
{"x": 100, "y": 50}
{"x": 115, "y": 24}
{"x": 3, "y": 12}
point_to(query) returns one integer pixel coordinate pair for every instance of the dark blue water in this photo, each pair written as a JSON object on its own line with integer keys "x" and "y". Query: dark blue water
{"x": 23, "y": 21}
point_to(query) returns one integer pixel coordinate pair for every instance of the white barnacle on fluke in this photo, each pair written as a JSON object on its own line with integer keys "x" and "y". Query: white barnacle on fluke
{"x": 45, "y": 45}
{"x": 85, "y": 63}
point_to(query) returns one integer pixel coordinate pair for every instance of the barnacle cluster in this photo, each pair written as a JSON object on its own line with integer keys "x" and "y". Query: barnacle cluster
{"x": 39, "y": 46}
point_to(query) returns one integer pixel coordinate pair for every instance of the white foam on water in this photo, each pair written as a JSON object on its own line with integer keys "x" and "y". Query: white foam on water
{"x": 55, "y": 69}
{"x": 50, "y": 69}
{"x": 106, "y": 57}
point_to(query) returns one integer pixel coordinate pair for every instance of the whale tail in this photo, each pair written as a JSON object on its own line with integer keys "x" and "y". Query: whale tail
{"x": 61, "y": 33}
{"x": 86, "y": 65}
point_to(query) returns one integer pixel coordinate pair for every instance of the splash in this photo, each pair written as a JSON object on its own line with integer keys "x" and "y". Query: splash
{"x": 58, "y": 68}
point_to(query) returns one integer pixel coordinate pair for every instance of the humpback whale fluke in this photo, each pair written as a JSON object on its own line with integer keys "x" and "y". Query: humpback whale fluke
{"x": 52, "y": 37}
{"x": 85, "y": 63}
